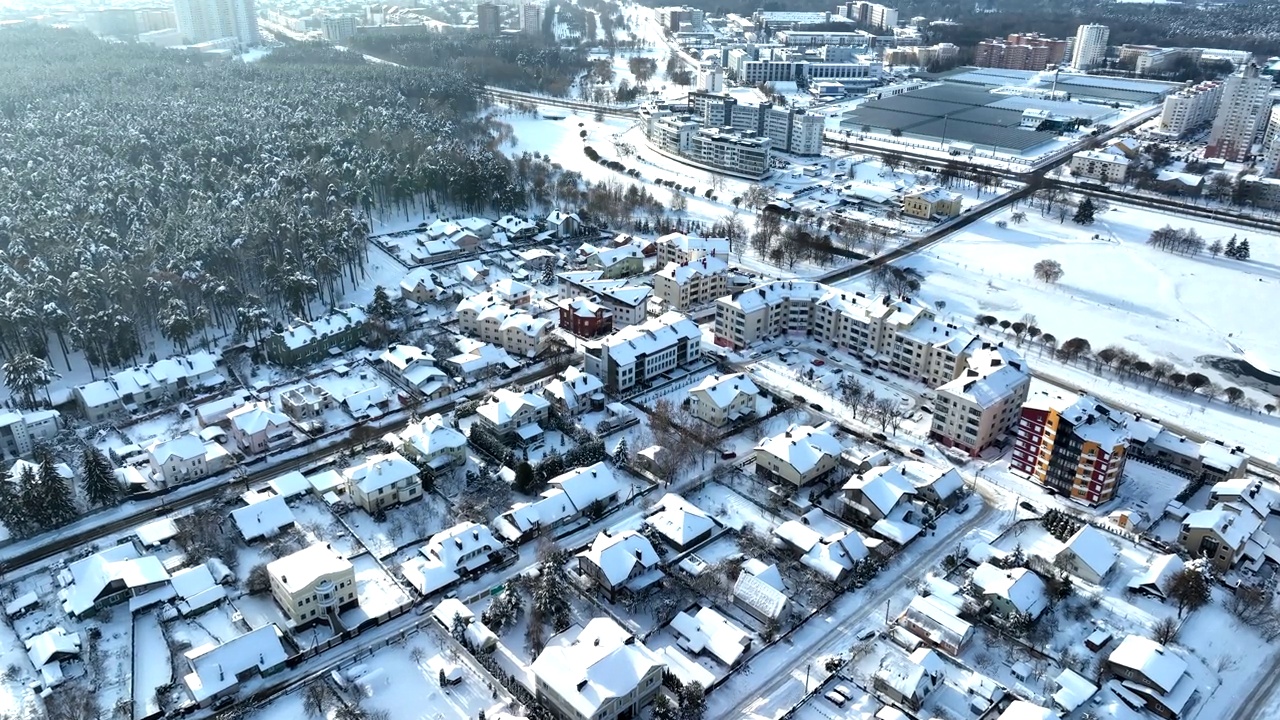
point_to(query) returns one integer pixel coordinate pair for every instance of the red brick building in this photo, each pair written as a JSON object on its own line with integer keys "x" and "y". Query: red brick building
{"x": 585, "y": 318}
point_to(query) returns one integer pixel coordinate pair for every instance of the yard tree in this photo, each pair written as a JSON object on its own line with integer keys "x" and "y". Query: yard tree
{"x": 1048, "y": 270}
{"x": 1230, "y": 250}
{"x": 1165, "y": 630}
{"x": 99, "y": 481}
{"x": 549, "y": 271}
{"x": 57, "y": 495}
{"x": 25, "y": 375}
{"x": 663, "y": 709}
{"x": 525, "y": 479}
{"x": 622, "y": 455}
{"x": 1215, "y": 248}
{"x": 1234, "y": 395}
{"x": 1196, "y": 381}
{"x": 380, "y": 310}
{"x": 1189, "y": 587}
{"x": 693, "y": 701}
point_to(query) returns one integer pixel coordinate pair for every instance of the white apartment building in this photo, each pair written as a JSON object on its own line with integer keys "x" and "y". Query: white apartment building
{"x": 312, "y": 584}
{"x": 204, "y": 20}
{"x": 488, "y": 317}
{"x": 1271, "y": 145}
{"x": 878, "y": 16}
{"x": 21, "y": 431}
{"x": 1243, "y": 109}
{"x": 1090, "y": 46}
{"x": 1190, "y": 108}
{"x": 338, "y": 28}
{"x": 678, "y": 247}
{"x": 692, "y": 284}
{"x": 1099, "y": 165}
{"x": 687, "y": 141}
{"x": 637, "y": 355}
{"x": 710, "y": 78}
{"x": 982, "y": 404}
{"x": 530, "y": 18}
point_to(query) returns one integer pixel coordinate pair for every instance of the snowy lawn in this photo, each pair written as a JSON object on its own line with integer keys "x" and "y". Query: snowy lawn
{"x": 312, "y": 515}
{"x": 409, "y": 524}
{"x": 377, "y": 592}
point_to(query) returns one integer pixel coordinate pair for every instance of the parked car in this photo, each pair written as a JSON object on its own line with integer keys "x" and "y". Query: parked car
{"x": 728, "y": 455}
{"x": 816, "y": 406}
{"x": 1028, "y": 506}
{"x": 864, "y": 371}
{"x": 821, "y": 352}
{"x": 836, "y": 698}
{"x": 819, "y": 362}
{"x": 917, "y": 451}
{"x": 882, "y": 377}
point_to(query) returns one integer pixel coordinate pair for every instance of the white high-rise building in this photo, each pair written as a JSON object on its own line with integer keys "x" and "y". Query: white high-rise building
{"x": 1090, "y": 46}
{"x": 530, "y": 18}
{"x": 1242, "y": 111}
{"x": 1190, "y": 108}
{"x": 1271, "y": 145}
{"x": 711, "y": 78}
{"x": 204, "y": 20}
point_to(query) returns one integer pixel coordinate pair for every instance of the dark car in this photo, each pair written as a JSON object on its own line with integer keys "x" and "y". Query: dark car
{"x": 816, "y": 406}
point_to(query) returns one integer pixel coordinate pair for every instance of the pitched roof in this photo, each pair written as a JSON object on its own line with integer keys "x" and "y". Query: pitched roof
{"x": 651, "y": 336}
{"x": 618, "y": 556}
{"x": 759, "y": 594}
{"x": 256, "y": 417}
{"x": 590, "y": 665}
{"x": 572, "y": 386}
{"x": 503, "y": 405}
{"x": 679, "y": 519}
{"x": 183, "y": 447}
{"x": 428, "y": 436}
{"x": 883, "y": 486}
{"x": 379, "y": 471}
{"x": 262, "y": 519}
{"x": 707, "y": 631}
{"x": 1021, "y": 587}
{"x": 52, "y": 643}
{"x": 722, "y": 390}
{"x": 217, "y": 668}
{"x": 1093, "y": 548}
{"x": 1148, "y": 657}
{"x": 801, "y": 446}
{"x": 1162, "y": 568}
{"x": 85, "y": 580}
{"x": 300, "y": 569}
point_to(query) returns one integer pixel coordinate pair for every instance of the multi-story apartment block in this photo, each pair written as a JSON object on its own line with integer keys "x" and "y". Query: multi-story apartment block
{"x": 1090, "y": 47}
{"x": 754, "y": 66}
{"x": 146, "y": 386}
{"x": 204, "y": 20}
{"x": 857, "y": 38}
{"x": 488, "y": 18}
{"x": 20, "y": 432}
{"x": 1020, "y": 51}
{"x": 338, "y": 29}
{"x": 489, "y": 318}
{"x": 530, "y": 18}
{"x": 1099, "y": 165}
{"x": 577, "y": 676}
{"x": 686, "y": 140}
{"x": 308, "y": 342}
{"x": 1241, "y": 112}
{"x": 977, "y": 408}
{"x": 1073, "y": 445}
{"x": 682, "y": 248}
{"x": 691, "y": 284}
{"x": 1271, "y": 145}
{"x": 313, "y": 585}
{"x": 680, "y": 19}
{"x": 1190, "y": 108}
{"x": 881, "y": 17}
{"x": 383, "y": 481}
{"x": 635, "y": 356}
{"x": 1152, "y": 59}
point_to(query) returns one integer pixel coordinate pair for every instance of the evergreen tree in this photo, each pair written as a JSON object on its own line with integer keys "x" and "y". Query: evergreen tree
{"x": 11, "y": 504}
{"x": 1242, "y": 250}
{"x": 443, "y": 680}
{"x": 100, "y": 486}
{"x": 663, "y": 709}
{"x": 1231, "y": 248}
{"x": 1084, "y": 213}
{"x": 525, "y": 479}
{"x": 549, "y": 271}
{"x": 693, "y": 702}
{"x": 1216, "y": 248}
{"x": 34, "y": 510}
{"x": 57, "y": 494}
{"x": 622, "y": 455}
{"x": 380, "y": 310}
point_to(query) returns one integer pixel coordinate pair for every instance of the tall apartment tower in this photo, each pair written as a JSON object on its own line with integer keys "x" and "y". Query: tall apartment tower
{"x": 1242, "y": 111}
{"x": 1090, "y": 46}
{"x": 204, "y": 20}
{"x": 1190, "y": 108}
{"x": 1073, "y": 445}
{"x": 711, "y": 78}
{"x": 530, "y": 18}
{"x": 1271, "y": 145}
{"x": 488, "y": 18}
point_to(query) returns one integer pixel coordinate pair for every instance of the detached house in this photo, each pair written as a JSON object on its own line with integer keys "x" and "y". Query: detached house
{"x": 800, "y": 455}
{"x": 514, "y": 417}
{"x": 563, "y": 225}
{"x": 1088, "y": 554}
{"x": 585, "y": 318}
{"x": 570, "y": 495}
{"x": 574, "y": 392}
{"x": 449, "y": 554}
{"x": 180, "y": 459}
{"x": 1154, "y": 673}
{"x": 596, "y": 672}
{"x": 932, "y": 202}
{"x": 430, "y": 442}
{"x": 622, "y": 562}
{"x": 1225, "y": 535}
{"x": 1012, "y": 590}
{"x": 720, "y": 400}
{"x": 313, "y": 585}
{"x": 383, "y": 481}
{"x": 257, "y": 428}
{"x": 908, "y": 681}
{"x": 617, "y": 262}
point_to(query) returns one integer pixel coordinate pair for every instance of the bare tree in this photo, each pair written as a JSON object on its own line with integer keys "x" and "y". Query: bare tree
{"x": 1050, "y": 271}
{"x": 1165, "y": 630}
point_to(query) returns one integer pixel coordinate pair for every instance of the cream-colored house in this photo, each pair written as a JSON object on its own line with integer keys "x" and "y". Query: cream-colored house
{"x": 258, "y": 428}
{"x": 430, "y": 441}
{"x": 800, "y": 455}
{"x": 722, "y": 399}
{"x": 312, "y": 584}
{"x": 931, "y": 203}
{"x": 693, "y": 284}
{"x": 383, "y": 481}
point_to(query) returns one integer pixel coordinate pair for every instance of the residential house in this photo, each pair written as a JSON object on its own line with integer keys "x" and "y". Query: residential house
{"x": 478, "y": 360}
{"x": 978, "y": 408}
{"x": 692, "y": 284}
{"x": 462, "y": 237}
{"x": 596, "y": 672}
{"x": 516, "y": 228}
{"x": 574, "y": 392}
{"x": 1154, "y": 579}
{"x": 514, "y": 417}
{"x": 306, "y": 402}
{"x": 1211, "y": 461}
{"x": 512, "y": 292}
{"x": 451, "y": 612}
{"x": 47, "y": 650}
{"x": 1023, "y": 710}
{"x": 218, "y": 670}
{"x": 624, "y": 562}
{"x": 1088, "y": 554}
{"x": 935, "y": 619}
{"x": 146, "y": 386}
{"x": 421, "y": 285}
{"x": 681, "y": 248}
{"x": 1154, "y": 673}
{"x": 724, "y": 399}
{"x": 931, "y": 202}
{"x": 1099, "y": 165}
{"x": 681, "y": 524}
{"x": 563, "y": 225}
{"x": 432, "y": 252}
{"x": 708, "y": 633}
{"x": 569, "y": 496}
{"x": 179, "y": 459}
{"x": 383, "y": 481}
{"x": 313, "y": 585}
{"x": 307, "y": 342}
{"x": 1009, "y": 591}
{"x": 262, "y": 519}
{"x": 1178, "y": 184}
{"x": 824, "y": 544}
{"x": 617, "y": 262}
{"x": 416, "y": 369}
{"x": 875, "y": 494}
{"x": 449, "y": 555}
{"x": 1226, "y": 535}
{"x": 585, "y": 318}
{"x": 257, "y": 428}
{"x": 430, "y": 442}
{"x": 108, "y": 577}
{"x": 20, "y": 432}
{"x": 907, "y": 681}
{"x": 1073, "y": 690}
{"x": 760, "y": 592}
{"x": 480, "y": 227}
{"x": 800, "y": 455}
{"x": 636, "y": 356}
{"x": 628, "y": 300}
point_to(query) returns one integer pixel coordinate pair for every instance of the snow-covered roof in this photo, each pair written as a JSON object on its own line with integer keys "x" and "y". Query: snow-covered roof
{"x": 325, "y": 480}
{"x": 196, "y": 589}
{"x": 1102, "y": 156}
{"x": 379, "y": 471}
{"x": 583, "y": 307}
{"x": 883, "y": 486}
{"x": 51, "y": 644}
{"x": 1227, "y": 521}
{"x": 290, "y": 484}
{"x": 769, "y": 574}
{"x": 218, "y": 668}
{"x": 594, "y": 664}
{"x": 476, "y": 356}
{"x": 709, "y": 632}
{"x": 682, "y": 273}
{"x": 428, "y": 436}
{"x": 1023, "y": 710}
{"x": 608, "y": 257}
{"x": 556, "y": 217}
{"x": 1154, "y": 576}
{"x": 937, "y": 619}
{"x": 1093, "y": 548}
{"x": 300, "y": 569}
{"x": 679, "y": 519}
{"x": 508, "y": 288}
{"x": 156, "y": 532}
{"x": 262, "y": 519}
{"x": 722, "y": 390}
{"x": 696, "y": 246}
{"x": 649, "y": 337}
{"x": 1187, "y": 179}
{"x": 402, "y": 356}
{"x": 570, "y": 493}
{"x": 803, "y": 447}
{"x": 992, "y": 372}
{"x": 503, "y": 406}
{"x": 572, "y": 387}
{"x": 935, "y": 195}
{"x": 618, "y": 556}
{"x": 759, "y": 594}
{"x": 183, "y": 447}
{"x": 85, "y": 580}
{"x": 256, "y": 417}
{"x": 1073, "y": 690}
{"x": 1021, "y": 587}
{"x": 1154, "y": 661}
{"x": 22, "y": 603}
{"x": 830, "y": 554}
{"x": 515, "y": 225}
{"x": 906, "y": 674}
{"x": 441, "y": 560}
{"x": 303, "y": 334}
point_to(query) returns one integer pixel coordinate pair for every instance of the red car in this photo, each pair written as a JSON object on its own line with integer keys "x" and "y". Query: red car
{"x": 819, "y": 362}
